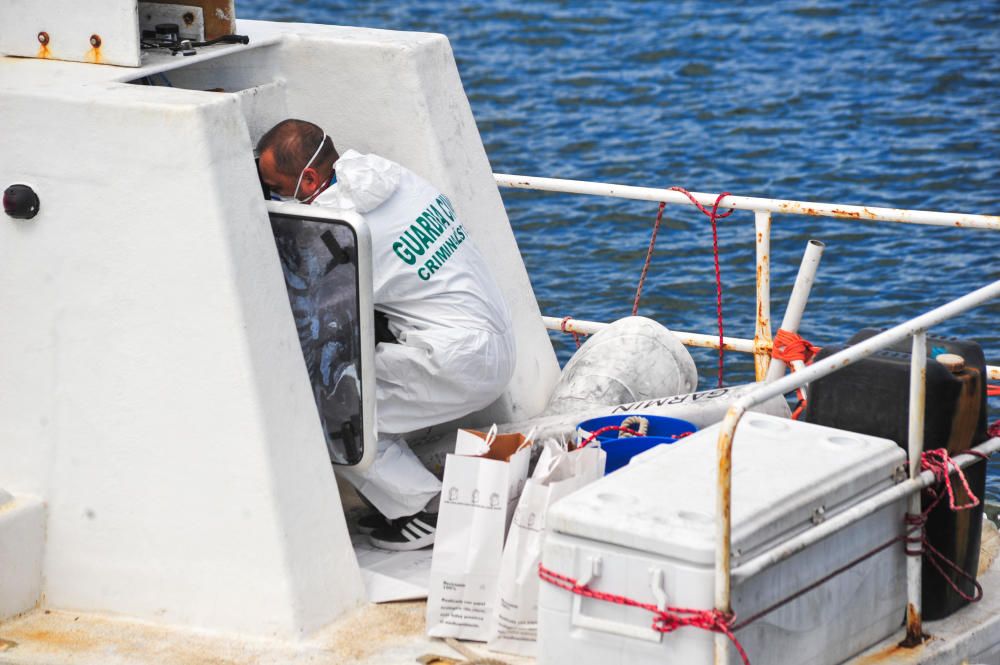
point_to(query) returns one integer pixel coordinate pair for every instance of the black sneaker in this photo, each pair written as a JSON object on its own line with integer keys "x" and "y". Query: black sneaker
{"x": 407, "y": 533}
{"x": 372, "y": 522}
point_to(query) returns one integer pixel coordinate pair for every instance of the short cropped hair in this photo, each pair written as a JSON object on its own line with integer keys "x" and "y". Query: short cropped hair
{"x": 293, "y": 142}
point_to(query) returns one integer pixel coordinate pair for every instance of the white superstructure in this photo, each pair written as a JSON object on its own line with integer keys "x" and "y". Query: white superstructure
{"x": 165, "y": 492}
{"x": 154, "y": 397}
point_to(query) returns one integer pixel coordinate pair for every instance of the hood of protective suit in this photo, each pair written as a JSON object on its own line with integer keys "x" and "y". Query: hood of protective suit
{"x": 364, "y": 182}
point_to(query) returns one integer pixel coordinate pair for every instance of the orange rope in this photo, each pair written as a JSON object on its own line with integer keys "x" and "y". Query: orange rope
{"x": 789, "y": 346}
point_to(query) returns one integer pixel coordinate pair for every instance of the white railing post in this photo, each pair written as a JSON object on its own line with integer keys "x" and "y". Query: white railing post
{"x": 797, "y": 301}
{"x": 915, "y": 435}
{"x": 723, "y": 524}
{"x": 762, "y": 331}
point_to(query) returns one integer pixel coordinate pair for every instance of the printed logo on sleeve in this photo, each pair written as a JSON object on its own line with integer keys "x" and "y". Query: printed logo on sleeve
{"x": 414, "y": 246}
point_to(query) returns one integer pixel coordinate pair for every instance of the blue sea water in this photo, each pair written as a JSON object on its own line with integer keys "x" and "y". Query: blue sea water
{"x": 891, "y": 103}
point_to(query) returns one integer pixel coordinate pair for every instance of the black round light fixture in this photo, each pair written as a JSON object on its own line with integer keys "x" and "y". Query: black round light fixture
{"x": 20, "y": 202}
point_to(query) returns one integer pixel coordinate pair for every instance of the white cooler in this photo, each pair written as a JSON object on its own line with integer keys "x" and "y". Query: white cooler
{"x": 647, "y": 532}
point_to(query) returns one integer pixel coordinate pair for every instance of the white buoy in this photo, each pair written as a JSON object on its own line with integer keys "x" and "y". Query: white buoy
{"x": 633, "y": 359}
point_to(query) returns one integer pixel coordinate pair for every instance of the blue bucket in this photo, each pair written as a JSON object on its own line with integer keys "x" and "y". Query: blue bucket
{"x": 662, "y": 430}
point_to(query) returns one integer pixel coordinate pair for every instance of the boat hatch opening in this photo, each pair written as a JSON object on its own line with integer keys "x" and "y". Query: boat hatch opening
{"x": 326, "y": 262}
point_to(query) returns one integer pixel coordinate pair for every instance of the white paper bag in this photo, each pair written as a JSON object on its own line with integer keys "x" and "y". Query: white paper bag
{"x": 514, "y": 628}
{"x": 482, "y": 483}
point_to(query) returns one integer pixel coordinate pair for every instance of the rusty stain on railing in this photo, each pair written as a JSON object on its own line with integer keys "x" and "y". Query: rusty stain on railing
{"x": 914, "y": 629}
{"x": 894, "y": 655}
{"x": 723, "y": 528}
{"x": 762, "y": 330}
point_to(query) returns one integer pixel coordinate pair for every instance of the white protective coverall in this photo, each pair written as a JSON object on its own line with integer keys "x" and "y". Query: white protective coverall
{"x": 456, "y": 345}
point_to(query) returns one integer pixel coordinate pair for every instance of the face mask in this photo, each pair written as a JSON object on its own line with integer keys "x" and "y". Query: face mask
{"x": 298, "y": 183}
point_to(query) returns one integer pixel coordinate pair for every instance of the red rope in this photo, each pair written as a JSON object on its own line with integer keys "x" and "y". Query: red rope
{"x": 992, "y": 390}
{"x": 919, "y": 546}
{"x": 576, "y": 335}
{"x": 666, "y": 620}
{"x": 714, "y": 216}
{"x": 602, "y": 430}
{"x": 938, "y": 461}
{"x": 633, "y": 432}
{"x": 649, "y": 257}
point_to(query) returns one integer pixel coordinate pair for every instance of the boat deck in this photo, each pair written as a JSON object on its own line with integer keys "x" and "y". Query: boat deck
{"x": 393, "y": 634}
{"x": 389, "y": 634}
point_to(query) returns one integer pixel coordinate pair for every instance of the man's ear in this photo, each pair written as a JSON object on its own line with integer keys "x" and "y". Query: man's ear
{"x": 310, "y": 181}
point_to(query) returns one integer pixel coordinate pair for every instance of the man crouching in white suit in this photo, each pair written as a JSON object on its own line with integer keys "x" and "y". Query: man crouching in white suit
{"x": 455, "y": 351}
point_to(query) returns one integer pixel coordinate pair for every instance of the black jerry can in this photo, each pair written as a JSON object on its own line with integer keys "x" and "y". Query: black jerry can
{"x": 872, "y": 397}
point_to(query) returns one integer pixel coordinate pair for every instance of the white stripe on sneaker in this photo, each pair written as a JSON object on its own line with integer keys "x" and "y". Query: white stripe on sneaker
{"x": 406, "y": 534}
{"x": 418, "y": 528}
{"x": 423, "y": 525}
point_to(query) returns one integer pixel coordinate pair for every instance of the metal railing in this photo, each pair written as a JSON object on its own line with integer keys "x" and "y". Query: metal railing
{"x": 777, "y": 384}
{"x": 761, "y": 345}
{"x": 915, "y": 328}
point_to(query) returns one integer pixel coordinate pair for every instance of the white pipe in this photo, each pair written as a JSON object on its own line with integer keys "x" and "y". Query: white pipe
{"x": 915, "y": 434}
{"x": 738, "y": 344}
{"x": 762, "y": 329}
{"x": 723, "y": 524}
{"x": 853, "y": 514}
{"x": 797, "y": 301}
{"x": 869, "y": 346}
{"x": 657, "y": 195}
{"x": 686, "y": 338}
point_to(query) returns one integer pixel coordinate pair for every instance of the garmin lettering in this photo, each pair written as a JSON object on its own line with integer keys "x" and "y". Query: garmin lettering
{"x": 667, "y": 401}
